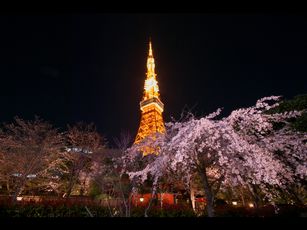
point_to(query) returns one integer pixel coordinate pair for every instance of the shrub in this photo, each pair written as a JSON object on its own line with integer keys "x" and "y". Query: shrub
{"x": 51, "y": 208}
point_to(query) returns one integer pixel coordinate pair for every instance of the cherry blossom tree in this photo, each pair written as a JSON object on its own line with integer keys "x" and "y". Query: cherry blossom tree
{"x": 237, "y": 150}
{"x": 29, "y": 150}
{"x": 82, "y": 143}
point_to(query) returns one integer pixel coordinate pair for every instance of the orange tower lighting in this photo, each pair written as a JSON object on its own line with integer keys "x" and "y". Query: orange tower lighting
{"x": 151, "y": 105}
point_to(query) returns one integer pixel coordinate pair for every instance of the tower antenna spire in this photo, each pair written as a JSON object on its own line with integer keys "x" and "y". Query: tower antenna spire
{"x": 150, "y": 47}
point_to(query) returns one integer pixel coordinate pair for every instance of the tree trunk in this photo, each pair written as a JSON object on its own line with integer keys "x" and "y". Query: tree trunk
{"x": 69, "y": 190}
{"x": 129, "y": 206}
{"x": 192, "y": 198}
{"x": 242, "y": 197}
{"x": 82, "y": 188}
{"x": 208, "y": 192}
{"x": 8, "y": 187}
{"x": 149, "y": 204}
{"x": 70, "y": 186}
{"x": 125, "y": 202}
{"x": 161, "y": 200}
{"x": 255, "y": 196}
{"x": 19, "y": 190}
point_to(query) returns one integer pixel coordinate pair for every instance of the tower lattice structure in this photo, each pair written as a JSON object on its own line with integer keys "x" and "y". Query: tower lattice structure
{"x": 151, "y": 105}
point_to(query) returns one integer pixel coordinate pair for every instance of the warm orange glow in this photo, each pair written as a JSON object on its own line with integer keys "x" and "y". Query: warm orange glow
{"x": 151, "y": 85}
{"x": 235, "y": 203}
{"x": 151, "y": 105}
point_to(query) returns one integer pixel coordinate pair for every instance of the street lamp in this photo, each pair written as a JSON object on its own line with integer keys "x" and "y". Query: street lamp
{"x": 235, "y": 203}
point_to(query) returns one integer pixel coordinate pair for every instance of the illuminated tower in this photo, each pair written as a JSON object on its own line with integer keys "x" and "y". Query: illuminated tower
{"x": 151, "y": 106}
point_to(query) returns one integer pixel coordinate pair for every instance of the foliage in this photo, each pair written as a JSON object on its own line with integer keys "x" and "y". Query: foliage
{"x": 166, "y": 211}
{"x": 73, "y": 208}
{"x": 55, "y": 208}
{"x": 94, "y": 190}
{"x": 264, "y": 211}
{"x": 299, "y": 103}
{"x": 238, "y": 150}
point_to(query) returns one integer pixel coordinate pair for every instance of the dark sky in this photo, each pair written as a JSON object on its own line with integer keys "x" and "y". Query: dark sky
{"x": 91, "y": 67}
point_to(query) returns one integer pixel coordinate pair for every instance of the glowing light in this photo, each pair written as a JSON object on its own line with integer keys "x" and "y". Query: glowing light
{"x": 251, "y": 205}
{"x": 31, "y": 176}
{"x": 19, "y": 198}
{"x": 150, "y": 49}
{"x": 142, "y": 199}
{"x": 151, "y": 105}
{"x": 151, "y": 88}
{"x": 234, "y": 203}
{"x": 151, "y": 85}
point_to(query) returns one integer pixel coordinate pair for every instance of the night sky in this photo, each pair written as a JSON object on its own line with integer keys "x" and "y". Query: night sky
{"x": 91, "y": 67}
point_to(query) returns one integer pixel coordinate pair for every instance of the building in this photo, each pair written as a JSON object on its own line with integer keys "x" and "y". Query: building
{"x": 151, "y": 105}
